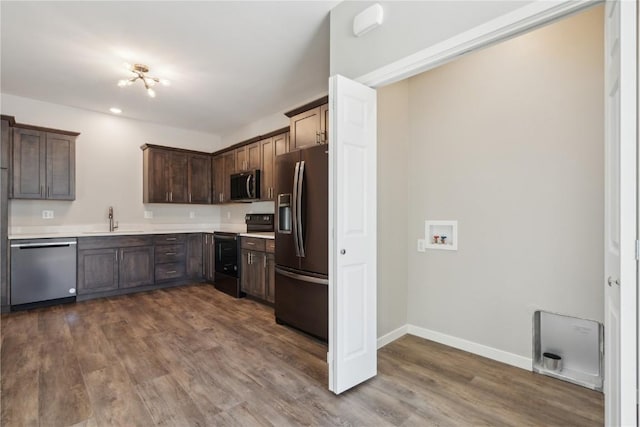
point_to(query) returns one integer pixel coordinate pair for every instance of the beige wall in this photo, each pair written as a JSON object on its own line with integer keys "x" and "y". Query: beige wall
{"x": 393, "y": 250}
{"x": 509, "y": 142}
{"x": 109, "y": 170}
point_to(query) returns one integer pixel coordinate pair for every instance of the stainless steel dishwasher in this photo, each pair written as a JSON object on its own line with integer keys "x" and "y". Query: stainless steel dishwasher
{"x": 43, "y": 270}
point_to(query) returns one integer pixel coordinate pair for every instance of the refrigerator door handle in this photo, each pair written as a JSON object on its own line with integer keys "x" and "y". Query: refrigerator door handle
{"x": 309, "y": 279}
{"x": 299, "y": 210}
{"x": 296, "y": 243}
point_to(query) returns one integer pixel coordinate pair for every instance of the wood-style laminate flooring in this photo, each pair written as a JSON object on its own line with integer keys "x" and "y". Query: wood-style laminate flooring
{"x": 192, "y": 356}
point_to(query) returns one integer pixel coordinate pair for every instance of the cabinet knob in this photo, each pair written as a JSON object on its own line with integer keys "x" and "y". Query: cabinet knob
{"x": 343, "y": 251}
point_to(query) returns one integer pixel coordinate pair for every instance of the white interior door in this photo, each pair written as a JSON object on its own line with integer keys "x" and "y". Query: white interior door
{"x": 620, "y": 282}
{"x": 352, "y": 234}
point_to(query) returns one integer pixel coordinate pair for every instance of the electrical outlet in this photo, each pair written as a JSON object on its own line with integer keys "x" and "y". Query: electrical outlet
{"x": 228, "y": 215}
{"x": 421, "y": 245}
{"x": 47, "y": 214}
{"x": 192, "y": 215}
{"x": 148, "y": 214}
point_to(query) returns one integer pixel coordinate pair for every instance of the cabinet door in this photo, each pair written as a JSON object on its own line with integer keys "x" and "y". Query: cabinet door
{"x": 60, "y": 166}
{"x": 218, "y": 179}
{"x": 266, "y": 173}
{"x": 136, "y": 266}
{"x": 324, "y": 123}
{"x": 281, "y": 144}
{"x": 5, "y": 145}
{"x": 97, "y": 270}
{"x": 29, "y": 176}
{"x": 229, "y": 168}
{"x": 158, "y": 179}
{"x": 246, "y": 273}
{"x": 241, "y": 162}
{"x": 254, "y": 156}
{"x": 179, "y": 178}
{"x": 199, "y": 179}
{"x": 211, "y": 259}
{"x": 270, "y": 277}
{"x": 305, "y": 128}
{"x": 194, "y": 256}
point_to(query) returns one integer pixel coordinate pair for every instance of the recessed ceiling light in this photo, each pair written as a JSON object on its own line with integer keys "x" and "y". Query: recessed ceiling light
{"x": 115, "y": 110}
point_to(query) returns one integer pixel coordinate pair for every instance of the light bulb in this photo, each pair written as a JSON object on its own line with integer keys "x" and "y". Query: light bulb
{"x": 123, "y": 83}
{"x": 115, "y": 110}
{"x": 165, "y": 82}
{"x": 149, "y": 82}
{"x": 151, "y": 93}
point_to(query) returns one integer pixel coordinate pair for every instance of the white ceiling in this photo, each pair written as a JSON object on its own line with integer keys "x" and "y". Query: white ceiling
{"x": 229, "y": 63}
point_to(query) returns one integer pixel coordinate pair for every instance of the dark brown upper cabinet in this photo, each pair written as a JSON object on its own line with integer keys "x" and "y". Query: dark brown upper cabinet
{"x": 270, "y": 148}
{"x": 223, "y": 166}
{"x": 248, "y": 157}
{"x": 44, "y": 163}
{"x": 172, "y": 175}
{"x": 309, "y": 124}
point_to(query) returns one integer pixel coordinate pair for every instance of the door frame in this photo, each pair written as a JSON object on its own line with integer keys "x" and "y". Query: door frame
{"x": 507, "y": 26}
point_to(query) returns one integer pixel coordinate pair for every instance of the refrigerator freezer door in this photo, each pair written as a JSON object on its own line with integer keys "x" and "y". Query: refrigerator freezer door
{"x": 315, "y": 210}
{"x": 302, "y": 301}
{"x": 285, "y": 239}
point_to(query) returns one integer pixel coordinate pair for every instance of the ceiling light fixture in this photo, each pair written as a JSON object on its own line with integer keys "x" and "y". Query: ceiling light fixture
{"x": 140, "y": 71}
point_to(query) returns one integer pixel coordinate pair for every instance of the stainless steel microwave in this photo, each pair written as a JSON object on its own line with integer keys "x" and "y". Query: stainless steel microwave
{"x": 245, "y": 186}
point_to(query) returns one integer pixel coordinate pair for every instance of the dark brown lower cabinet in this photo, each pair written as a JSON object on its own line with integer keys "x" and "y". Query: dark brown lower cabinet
{"x": 257, "y": 269}
{"x": 136, "y": 267}
{"x": 194, "y": 256}
{"x": 97, "y": 270}
{"x": 270, "y": 278}
{"x": 208, "y": 257}
{"x": 252, "y": 276}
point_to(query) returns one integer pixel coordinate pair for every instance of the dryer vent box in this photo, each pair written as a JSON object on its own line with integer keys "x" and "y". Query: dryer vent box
{"x": 367, "y": 20}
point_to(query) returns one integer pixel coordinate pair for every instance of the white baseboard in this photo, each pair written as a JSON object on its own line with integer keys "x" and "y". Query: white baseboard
{"x": 470, "y": 346}
{"x": 392, "y": 336}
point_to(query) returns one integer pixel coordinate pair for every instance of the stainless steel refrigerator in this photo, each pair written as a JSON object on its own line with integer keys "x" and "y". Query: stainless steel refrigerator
{"x": 301, "y": 279}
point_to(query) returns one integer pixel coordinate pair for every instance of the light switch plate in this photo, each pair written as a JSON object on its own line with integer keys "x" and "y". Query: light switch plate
{"x": 192, "y": 215}
{"x": 47, "y": 214}
{"x": 148, "y": 214}
{"x": 421, "y": 245}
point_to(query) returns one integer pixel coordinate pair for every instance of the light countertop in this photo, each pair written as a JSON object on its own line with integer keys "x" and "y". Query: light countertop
{"x": 123, "y": 230}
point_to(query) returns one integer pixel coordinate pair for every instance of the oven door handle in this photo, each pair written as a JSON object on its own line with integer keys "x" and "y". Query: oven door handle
{"x": 249, "y": 195}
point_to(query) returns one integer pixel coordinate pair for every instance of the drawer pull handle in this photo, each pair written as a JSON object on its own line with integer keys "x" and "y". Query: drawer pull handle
{"x": 171, "y": 272}
{"x": 171, "y": 238}
{"x": 170, "y": 253}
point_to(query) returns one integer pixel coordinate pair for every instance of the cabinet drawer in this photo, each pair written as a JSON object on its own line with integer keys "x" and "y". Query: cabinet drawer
{"x": 170, "y": 271}
{"x": 253, "y": 243}
{"x": 170, "y": 253}
{"x": 270, "y": 244}
{"x": 169, "y": 238}
{"x": 102, "y": 242}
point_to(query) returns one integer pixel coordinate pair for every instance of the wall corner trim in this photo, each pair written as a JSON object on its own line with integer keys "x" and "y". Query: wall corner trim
{"x": 472, "y": 347}
{"x": 392, "y": 336}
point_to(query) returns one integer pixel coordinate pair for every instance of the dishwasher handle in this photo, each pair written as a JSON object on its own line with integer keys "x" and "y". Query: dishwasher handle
{"x": 42, "y": 245}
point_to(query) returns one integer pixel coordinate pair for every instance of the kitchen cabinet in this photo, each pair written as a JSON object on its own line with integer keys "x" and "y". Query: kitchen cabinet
{"x": 44, "y": 164}
{"x": 114, "y": 262}
{"x": 223, "y": 166}
{"x": 257, "y": 274}
{"x": 309, "y": 124}
{"x": 208, "y": 257}
{"x": 248, "y": 157}
{"x": 194, "y": 256}
{"x": 270, "y": 148}
{"x": 270, "y": 272}
{"x": 170, "y": 253}
{"x": 5, "y": 153}
{"x": 199, "y": 179}
{"x": 175, "y": 176}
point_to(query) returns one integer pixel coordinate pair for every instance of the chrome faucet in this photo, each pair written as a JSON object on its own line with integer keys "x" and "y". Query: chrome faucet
{"x": 112, "y": 226}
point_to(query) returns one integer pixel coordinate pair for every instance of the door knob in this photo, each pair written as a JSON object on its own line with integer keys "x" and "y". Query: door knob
{"x": 343, "y": 251}
{"x": 610, "y": 281}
